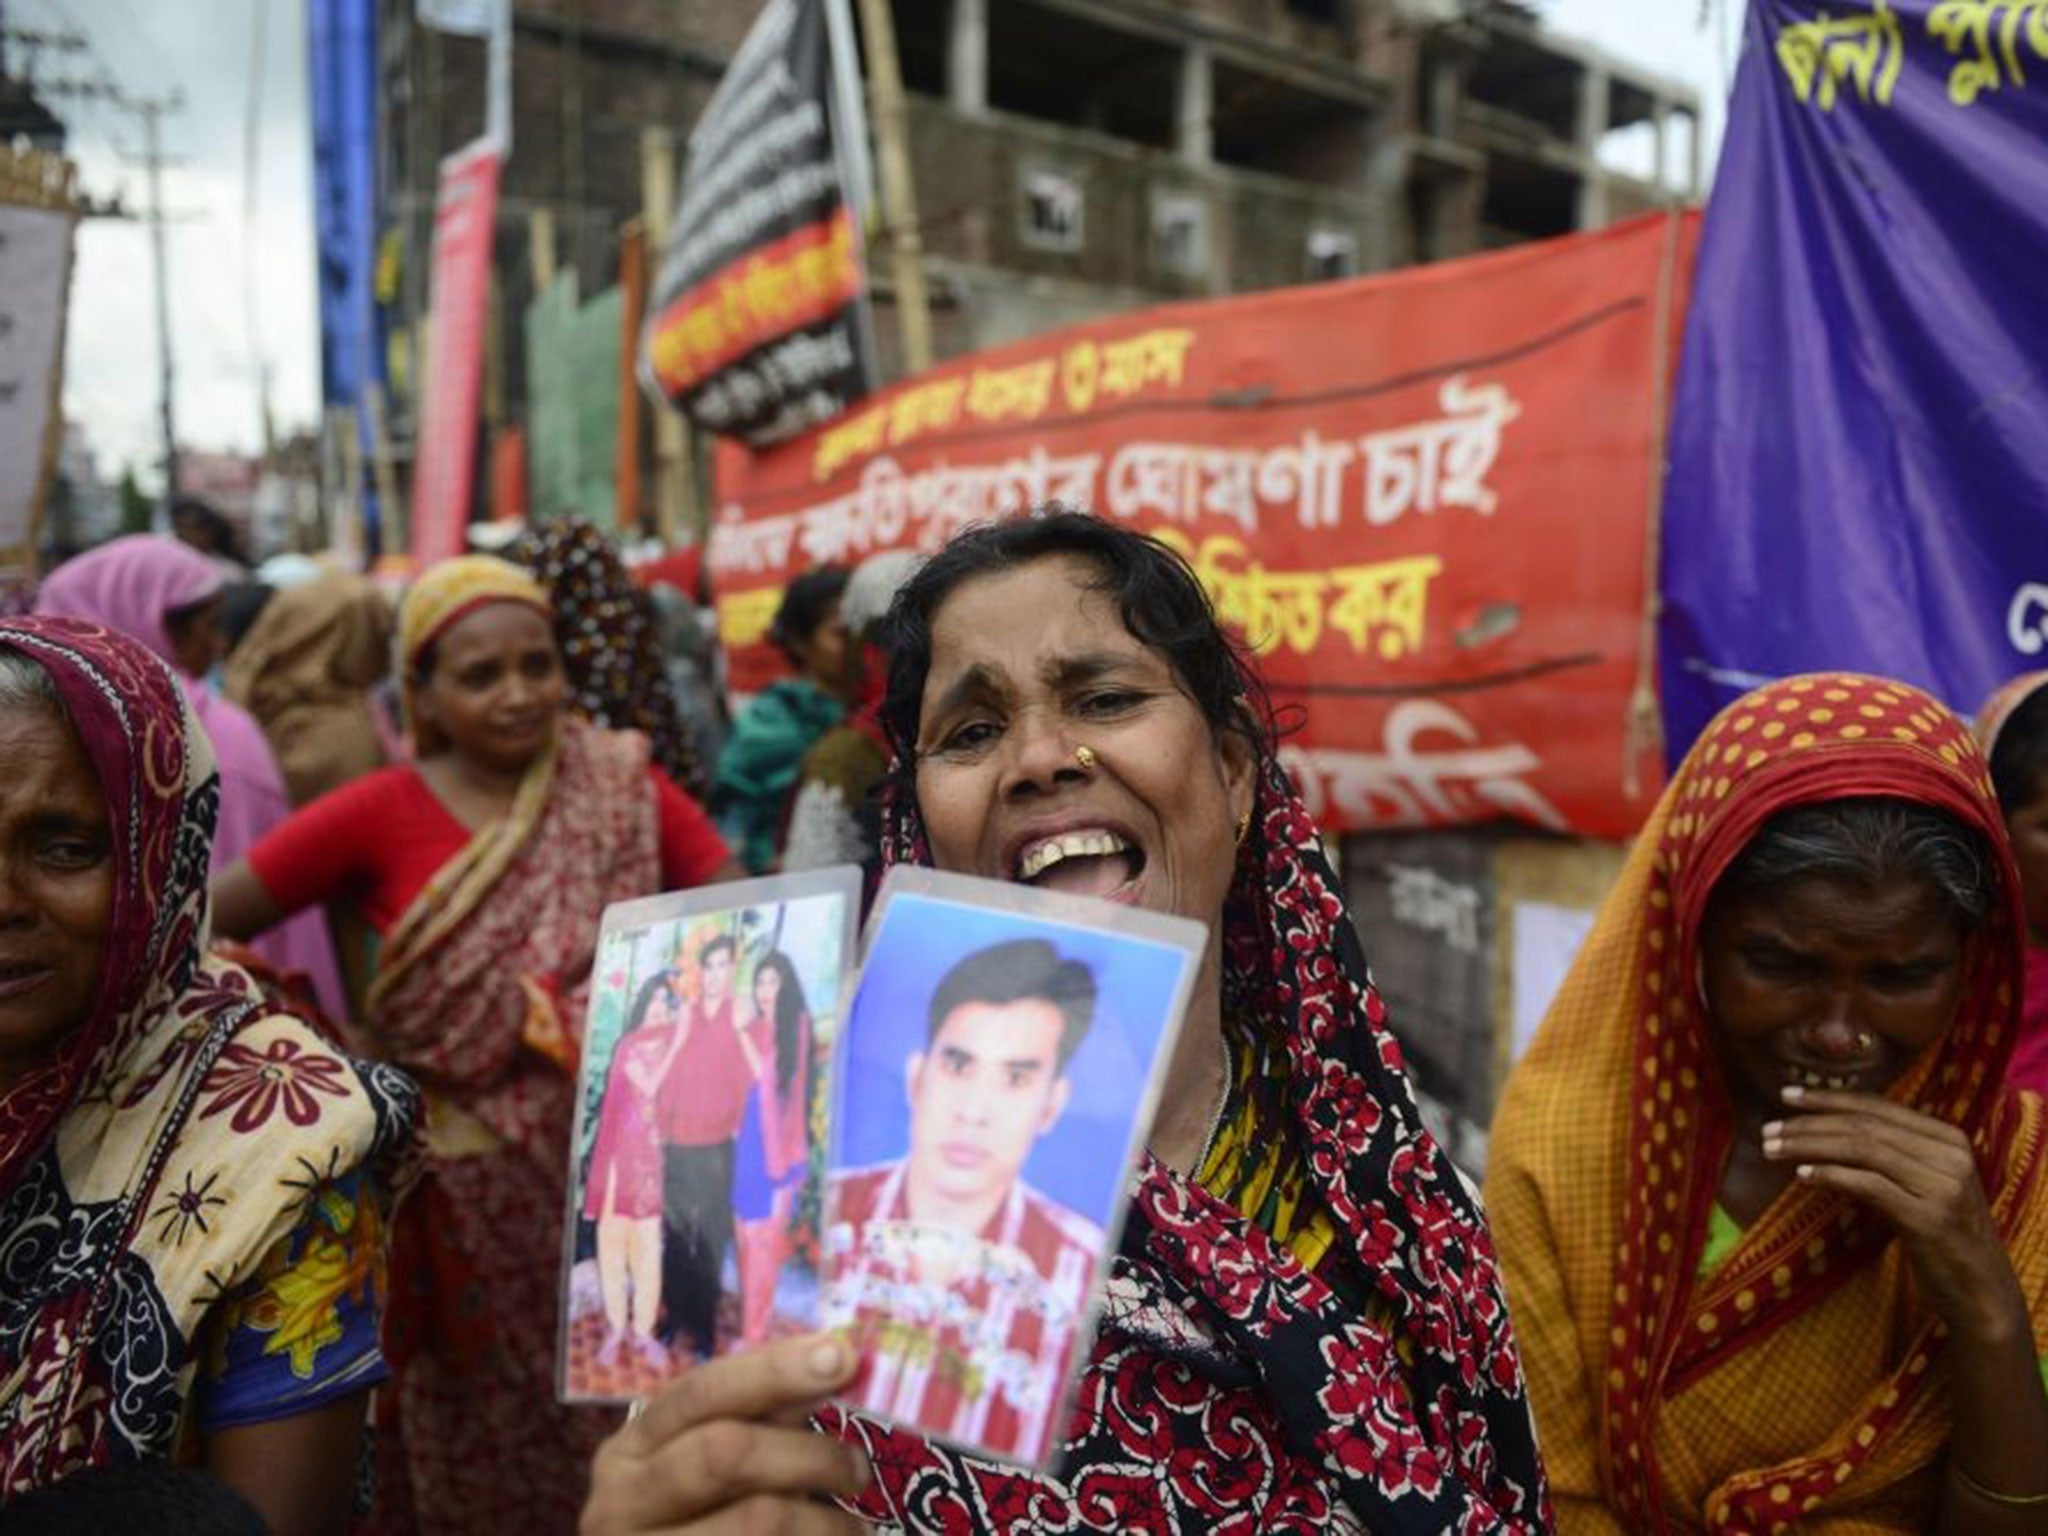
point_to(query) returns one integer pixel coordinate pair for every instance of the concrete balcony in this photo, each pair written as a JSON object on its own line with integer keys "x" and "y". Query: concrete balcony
{"x": 1076, "y": 206}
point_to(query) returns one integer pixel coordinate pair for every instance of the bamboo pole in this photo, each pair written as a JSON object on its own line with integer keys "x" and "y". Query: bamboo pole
{"x": 392, "y": 515}
{"x": 626, "y": 453}
{"x": 899, "y": 197}
{"x": 676, "y": 511}
{"x": 540, "y": 241}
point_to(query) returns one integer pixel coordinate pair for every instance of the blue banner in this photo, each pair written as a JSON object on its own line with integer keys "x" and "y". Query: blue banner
{"x": 1859, "y": 456}
{"x": 341, "y": 56}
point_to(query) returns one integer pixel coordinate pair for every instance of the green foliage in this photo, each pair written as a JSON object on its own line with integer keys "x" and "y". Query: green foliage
{"x": 135, "y": 506}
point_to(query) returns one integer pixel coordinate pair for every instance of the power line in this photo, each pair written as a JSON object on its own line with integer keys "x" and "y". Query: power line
{"x": 149, "y": 111}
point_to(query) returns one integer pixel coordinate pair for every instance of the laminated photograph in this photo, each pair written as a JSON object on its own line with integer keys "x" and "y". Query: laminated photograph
{"x": 1001, "y": 1058}
{"x": 696, "y": 1164}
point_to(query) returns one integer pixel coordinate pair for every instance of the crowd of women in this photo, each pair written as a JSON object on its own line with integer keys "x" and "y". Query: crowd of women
{"x": 294, "y": 957}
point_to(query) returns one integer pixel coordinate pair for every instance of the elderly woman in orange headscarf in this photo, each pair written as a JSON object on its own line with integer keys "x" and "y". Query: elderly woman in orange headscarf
{"x": 1775, "y": 1230}
{"x": 485, "y": 866}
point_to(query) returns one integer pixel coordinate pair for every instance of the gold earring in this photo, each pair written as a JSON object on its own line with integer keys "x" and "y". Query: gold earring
{"x": 1085, "y": 756}
{"x": 1244, "y": 827}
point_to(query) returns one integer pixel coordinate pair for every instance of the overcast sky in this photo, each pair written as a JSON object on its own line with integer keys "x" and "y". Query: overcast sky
{"x": 243, "y": 290}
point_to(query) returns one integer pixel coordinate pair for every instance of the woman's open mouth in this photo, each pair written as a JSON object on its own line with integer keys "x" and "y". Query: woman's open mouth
{"x": 19, "y": 976}
{"x": 1087, "y": 861}
{"x": 1861, "y": 1079}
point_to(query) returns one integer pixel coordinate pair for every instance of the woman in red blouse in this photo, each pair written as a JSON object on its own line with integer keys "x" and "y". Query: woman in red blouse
{"x": 484, "y": 867}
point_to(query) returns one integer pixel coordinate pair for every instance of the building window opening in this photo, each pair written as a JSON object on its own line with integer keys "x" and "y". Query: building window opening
{"x": 1180, "y": 234}
{"x": 1332, "y": 253}
{"x": 1054, "y": 210}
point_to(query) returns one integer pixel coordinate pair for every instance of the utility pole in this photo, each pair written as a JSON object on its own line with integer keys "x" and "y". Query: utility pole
{"x": 151, "y": 112}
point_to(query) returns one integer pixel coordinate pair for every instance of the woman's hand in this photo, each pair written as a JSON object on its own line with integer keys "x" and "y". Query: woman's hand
{"x": 1921, "y": 1176}
{"x": 1918, "y": 1173}
{"x": 728, "y": 1448}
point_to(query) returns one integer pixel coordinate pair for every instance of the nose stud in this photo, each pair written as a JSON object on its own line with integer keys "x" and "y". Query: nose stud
{"x": 1865, "y": 1039}
{"x": 1085, "y": 756}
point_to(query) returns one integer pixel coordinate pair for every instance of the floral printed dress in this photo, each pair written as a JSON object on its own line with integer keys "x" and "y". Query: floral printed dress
{"x": 1308, "y": 1336}
{"x": 193, "y": 1190}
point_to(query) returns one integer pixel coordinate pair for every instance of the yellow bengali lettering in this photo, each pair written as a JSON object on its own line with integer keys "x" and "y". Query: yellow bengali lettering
{"x": 1380, "y": 609}
{"x": 1867, "y": 51}
{"x": 1080, "y": 369}
{"x": 853, "y": 438}
{"x": 1994, "y": 31}
{"x": 1021, "y": 393}
{"x": 1384, "y": 607}
{"x": 1152, "y": 357}
{"x": 925, "y": 408}
{"x": 764, "y": 296}
{"x": 744, "y": 617}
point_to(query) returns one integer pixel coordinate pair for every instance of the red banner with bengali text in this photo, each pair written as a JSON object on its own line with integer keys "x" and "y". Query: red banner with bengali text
{"x": 444, "y": 476}
{"x": 1424, "y": 498}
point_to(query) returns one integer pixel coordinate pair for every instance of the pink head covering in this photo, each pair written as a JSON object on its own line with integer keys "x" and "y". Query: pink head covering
{"x": 1999, "y": 709}
{"x": 129, "y": 585}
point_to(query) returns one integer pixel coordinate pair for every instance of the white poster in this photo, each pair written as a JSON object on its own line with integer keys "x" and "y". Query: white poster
{"x": 1547, "y": 940}
{"x": 35, "y": 259}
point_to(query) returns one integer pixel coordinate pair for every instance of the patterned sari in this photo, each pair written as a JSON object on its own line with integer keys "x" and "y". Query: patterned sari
{"x": 480, "y": 993}
{"x": 1799, "y": 1379}
{"x": 193, "y": 1189}
{"x": 1309, "y": 1338}
{"x": 610, "y": 637}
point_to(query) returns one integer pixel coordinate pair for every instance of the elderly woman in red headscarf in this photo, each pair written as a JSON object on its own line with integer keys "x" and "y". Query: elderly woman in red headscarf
{"x": 168, "y": 597}
{"x": 1774, "y": 1227}
{"x": 193, "y": 1184}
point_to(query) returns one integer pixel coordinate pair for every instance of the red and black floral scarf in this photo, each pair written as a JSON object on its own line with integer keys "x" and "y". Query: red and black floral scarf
{"x": 1229, "y": 1388}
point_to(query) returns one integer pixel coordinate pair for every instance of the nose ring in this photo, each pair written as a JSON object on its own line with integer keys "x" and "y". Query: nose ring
{"x": 1085, "y": 756}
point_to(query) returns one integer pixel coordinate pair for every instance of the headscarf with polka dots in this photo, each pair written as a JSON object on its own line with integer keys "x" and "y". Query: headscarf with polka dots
{"x": 1620, "y": 1110}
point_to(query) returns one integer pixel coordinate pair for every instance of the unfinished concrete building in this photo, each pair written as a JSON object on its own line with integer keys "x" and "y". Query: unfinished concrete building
{"x": 1077, "y": 157}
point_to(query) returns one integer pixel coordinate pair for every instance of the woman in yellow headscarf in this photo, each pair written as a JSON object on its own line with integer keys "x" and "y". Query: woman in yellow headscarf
{"x": 1774, "y": 1228}
{"x": 484, "y": 865}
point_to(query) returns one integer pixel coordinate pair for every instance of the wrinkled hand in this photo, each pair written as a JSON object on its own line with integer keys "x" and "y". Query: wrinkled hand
{"x": 1920, "y": 1175}
{"x": 728, "y": 1449}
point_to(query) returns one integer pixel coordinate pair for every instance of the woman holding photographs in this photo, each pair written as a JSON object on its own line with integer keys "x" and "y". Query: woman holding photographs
{"x": 775, "y": 1143}
{"x": 622, "y": 1192}
{"x": 1304, "y": 1325}
{"x": 484, "y": 865}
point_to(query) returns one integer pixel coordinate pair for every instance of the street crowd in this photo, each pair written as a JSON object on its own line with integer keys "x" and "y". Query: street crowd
{"x": 300, "y": 893}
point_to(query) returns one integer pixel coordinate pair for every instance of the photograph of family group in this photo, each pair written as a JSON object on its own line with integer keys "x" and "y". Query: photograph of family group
{"x": 694, "y": 1221}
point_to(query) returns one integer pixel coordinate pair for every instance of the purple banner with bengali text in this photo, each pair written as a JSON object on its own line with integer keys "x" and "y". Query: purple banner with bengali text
{"x": 1859, "y": 455}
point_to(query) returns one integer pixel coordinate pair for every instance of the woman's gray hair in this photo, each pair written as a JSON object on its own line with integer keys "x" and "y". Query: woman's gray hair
{"x": 24, "y": 683}
{"x": 1869, "y": 841}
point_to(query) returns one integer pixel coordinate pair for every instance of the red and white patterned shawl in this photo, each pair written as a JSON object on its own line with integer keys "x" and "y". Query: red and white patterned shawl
{"x": 1229, "y": 1388}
